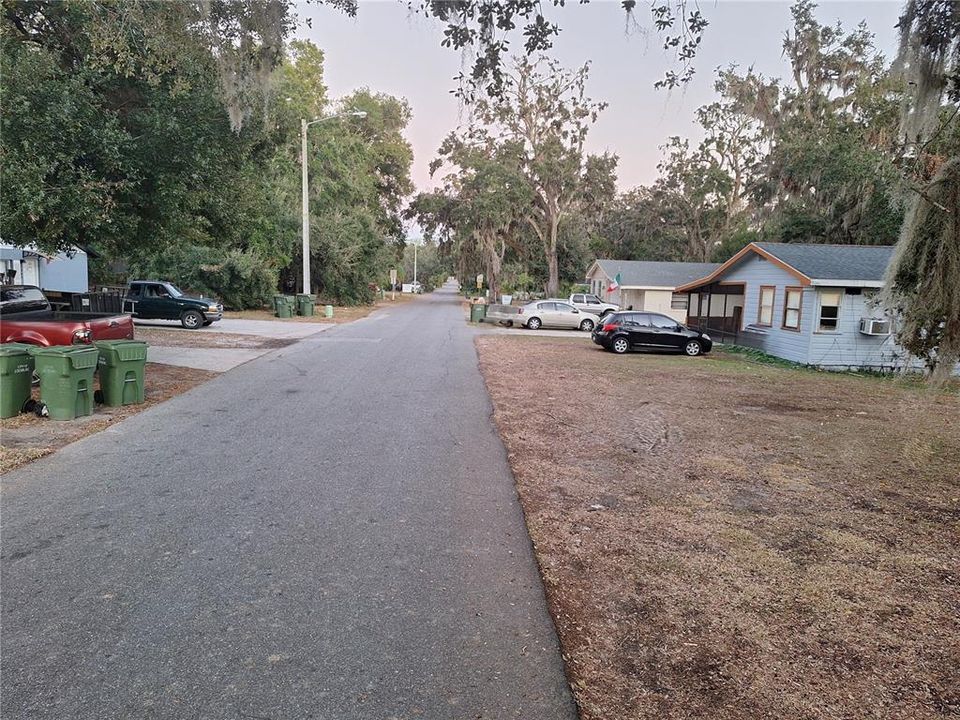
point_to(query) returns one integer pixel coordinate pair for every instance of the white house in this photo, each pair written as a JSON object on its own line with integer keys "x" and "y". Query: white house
{"x": 646, "y": 285}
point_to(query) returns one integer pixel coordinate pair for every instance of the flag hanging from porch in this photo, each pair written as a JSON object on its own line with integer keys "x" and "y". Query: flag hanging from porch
{"x": 615, "y": 285}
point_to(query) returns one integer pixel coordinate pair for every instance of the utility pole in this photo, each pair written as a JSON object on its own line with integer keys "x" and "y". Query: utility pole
{"x": 415, "y": 245}
{"x": 305, "y": 200}
{"x": 304, "y": 180}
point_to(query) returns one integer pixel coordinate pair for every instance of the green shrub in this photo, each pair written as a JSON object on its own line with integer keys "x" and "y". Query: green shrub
{"x": 239, "y": 279}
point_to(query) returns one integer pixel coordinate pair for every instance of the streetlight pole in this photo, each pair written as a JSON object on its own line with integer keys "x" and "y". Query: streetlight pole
{"x": 304, "y": 179}
{"x": 415, "y": 245}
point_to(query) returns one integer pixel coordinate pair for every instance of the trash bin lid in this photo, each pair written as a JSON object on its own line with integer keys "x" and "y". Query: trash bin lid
{"x": 14, "y": 349}
{"x": 81, "y": 356}
{"x": 123, "y": 350}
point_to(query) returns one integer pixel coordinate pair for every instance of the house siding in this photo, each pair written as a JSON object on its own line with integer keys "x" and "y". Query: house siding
{"x": 848, "y": 347}
{"x": 788, "y": 344}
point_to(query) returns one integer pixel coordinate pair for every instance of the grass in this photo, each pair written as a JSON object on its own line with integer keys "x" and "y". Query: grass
{"x": 721, "y": 538}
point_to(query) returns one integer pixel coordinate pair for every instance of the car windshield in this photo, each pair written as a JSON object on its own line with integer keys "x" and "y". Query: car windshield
{"x": 173, "y": 290}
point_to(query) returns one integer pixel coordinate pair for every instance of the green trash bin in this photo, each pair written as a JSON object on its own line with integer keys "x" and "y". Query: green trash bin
{"x": 277, "y": 299}
{"x": 328, "y": 311}
{"x": 121, "y": 365}
{"x": 285, "y": 309}
{"x": 66, "y": 379}
{"x": 304, "y": 305}
{"x": 16, "y": 375}
{"x": 478, "y": 311}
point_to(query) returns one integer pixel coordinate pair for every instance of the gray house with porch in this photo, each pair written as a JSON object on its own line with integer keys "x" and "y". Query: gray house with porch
{"x": 809, "y": 303}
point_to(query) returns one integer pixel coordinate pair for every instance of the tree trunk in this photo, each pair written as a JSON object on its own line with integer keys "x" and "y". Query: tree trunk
{"x": 493, "y": 267}
{"x": 553, "y": 266}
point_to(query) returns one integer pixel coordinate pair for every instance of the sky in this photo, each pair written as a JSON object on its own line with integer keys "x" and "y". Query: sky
{"x": 389, "y": 49}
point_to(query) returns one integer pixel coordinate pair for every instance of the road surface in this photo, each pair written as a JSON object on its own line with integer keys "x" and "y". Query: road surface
{"x": 328, "y": 531}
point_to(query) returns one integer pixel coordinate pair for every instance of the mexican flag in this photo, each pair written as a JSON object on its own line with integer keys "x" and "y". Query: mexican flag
{"x": 615, "y": 285}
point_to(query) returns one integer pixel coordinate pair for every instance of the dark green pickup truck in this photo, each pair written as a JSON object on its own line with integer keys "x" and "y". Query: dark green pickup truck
{"x": 158, "y": 300}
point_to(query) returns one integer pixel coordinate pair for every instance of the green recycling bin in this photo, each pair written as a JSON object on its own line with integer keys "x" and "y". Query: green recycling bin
{"x": 328, "y": 311}
{"x": 66, "y": 379}
{"x": 277, "y": 299}
{"x": 16, "y": 374}
{"x": 478, "y": 312}
{"x": 304, "y": 305}
{"x": 121, "y": 366}
{"x": 285, "y": 309}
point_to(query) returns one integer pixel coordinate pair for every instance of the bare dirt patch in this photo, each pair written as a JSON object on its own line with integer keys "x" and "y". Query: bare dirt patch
{"x": 721, "y": 539}
{"x": 341, "y": 313}
{"x": 172, "y": 337}
{"x": 28, "y": 437}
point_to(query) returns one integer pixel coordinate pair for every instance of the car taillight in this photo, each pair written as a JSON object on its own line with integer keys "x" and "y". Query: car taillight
{"x": 82, "y": 337}
{"x": 610, "y": 327}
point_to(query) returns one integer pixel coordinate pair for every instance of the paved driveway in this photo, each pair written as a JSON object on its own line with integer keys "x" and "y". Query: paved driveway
{"x": 264, "y": 328}
{"x": 328, "y": 531}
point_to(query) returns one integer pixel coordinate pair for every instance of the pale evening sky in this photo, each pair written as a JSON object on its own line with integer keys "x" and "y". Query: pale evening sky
{"x": 391, "y": 50}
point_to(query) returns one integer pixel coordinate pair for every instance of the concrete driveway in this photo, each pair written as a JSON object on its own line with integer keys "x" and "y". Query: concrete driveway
{"x": 262, "y": 328}
{"x": 223, "y": 359}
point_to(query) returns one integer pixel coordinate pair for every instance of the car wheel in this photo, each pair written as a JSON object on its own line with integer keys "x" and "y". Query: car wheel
{"x": 509, "y": 323}
{"x": 620, "y": 345}
{"x": 191, "y": 320}
{"x": 587, "y": 325}
{"x": 534, "y": 323}
{"x": 693, "y": 348}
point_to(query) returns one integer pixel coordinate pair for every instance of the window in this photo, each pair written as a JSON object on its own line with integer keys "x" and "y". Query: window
{"x": 765, "y": 312}
{"x": 593, "y": 300}
{"x": 662, "y": 322}
{"x": 564, "y": 307}
{"x": 578, "y": 298}
{"x": 679, "y": 301}
{"x": 791, "y": 308}
{"x": 829, "y": 310}
{"x": 548, "y": 307}
{"x": 641, "y": 319}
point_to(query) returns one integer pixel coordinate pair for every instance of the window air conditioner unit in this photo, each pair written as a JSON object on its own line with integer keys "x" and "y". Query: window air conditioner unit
{"x": 869, "y": 326}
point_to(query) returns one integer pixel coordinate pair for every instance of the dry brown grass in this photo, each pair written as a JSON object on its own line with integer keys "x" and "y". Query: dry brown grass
{"x": 341, "y": 313}
{"x": 174, "y": 337}
{"x": 722, "y": 540}
{"x": 26, "y": 437}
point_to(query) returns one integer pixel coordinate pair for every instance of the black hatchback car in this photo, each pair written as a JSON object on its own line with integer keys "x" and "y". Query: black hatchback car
{"x": 623, "y": 331}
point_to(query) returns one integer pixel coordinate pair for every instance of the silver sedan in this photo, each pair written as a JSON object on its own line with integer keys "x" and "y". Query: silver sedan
{"x": 555, "y": 314}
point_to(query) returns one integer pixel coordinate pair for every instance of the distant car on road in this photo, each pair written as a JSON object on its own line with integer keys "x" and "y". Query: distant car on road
{"x": 158, "y": 300}
{"x": 624, "y": 331}
{"x": 586, "y": 302}
{"x": 556, "y": 314}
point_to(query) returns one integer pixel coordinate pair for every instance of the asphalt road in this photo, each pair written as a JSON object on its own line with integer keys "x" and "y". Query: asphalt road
{"x": 329, "y": 531}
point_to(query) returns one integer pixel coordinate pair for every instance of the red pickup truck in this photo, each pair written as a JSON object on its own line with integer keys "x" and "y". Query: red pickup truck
{"x": 26, "y": 317}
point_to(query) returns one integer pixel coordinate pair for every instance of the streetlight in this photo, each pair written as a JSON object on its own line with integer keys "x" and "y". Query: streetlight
{"x": 306, "y": 201}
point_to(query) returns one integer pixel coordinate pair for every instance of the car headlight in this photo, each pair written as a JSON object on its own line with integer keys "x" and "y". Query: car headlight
{"x": 705, "y": 336}
{"x": 213, "y": 308}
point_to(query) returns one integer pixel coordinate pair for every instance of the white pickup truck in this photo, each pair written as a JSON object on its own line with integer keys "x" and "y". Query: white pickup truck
{"x": 585, "y": 302}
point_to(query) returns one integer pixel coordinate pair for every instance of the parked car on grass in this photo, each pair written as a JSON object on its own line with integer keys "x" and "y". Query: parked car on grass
{"x": 157, "y": 300}
{"x": 554, "y": 313}
{"x": 624, "y": 331}
{"x": 587, "y": 302}
{"x": 27, "y": 317}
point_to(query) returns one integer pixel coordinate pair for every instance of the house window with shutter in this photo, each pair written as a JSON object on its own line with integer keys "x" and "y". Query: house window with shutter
{"x": 829, "y": 310}
{"x": 792, "y": 306}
